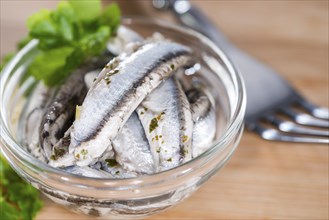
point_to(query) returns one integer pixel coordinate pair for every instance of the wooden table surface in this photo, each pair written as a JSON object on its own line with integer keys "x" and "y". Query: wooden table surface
{"x": 263, "y": 180}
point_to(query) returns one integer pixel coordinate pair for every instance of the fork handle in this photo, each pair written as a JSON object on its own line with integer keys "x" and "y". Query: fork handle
{"x": 264, "y": 87}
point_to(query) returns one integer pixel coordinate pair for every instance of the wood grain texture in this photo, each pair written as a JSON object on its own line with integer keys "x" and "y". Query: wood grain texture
{"x": 264, "y": 180}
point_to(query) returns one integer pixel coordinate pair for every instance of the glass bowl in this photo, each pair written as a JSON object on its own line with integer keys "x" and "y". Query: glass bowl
{"x": 140, "y": 196}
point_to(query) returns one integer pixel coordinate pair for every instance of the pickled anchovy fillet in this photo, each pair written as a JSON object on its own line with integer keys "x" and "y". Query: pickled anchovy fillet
{"x": 167, "y": 121}
{"x": 59, "y": 115}
{"x": 116, "y": 171}
{"x": 204, "y": 117}
{"x": 60, "y": 156}
{"x": 124, "y": 37}
{"x": 132, "y": 148}
{"x": 118, "y": 91}
{"x": 88, "y": 172}
{"x": 61, "y": 112}
{"x": 35, "y": 112}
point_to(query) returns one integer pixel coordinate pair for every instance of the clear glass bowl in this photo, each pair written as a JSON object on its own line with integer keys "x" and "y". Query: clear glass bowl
{"x": 141, "y": 196}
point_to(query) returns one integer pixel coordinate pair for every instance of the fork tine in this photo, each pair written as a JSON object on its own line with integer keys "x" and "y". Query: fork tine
{"x": 275, "y": 135}
{"x": 288, "y": 126}
{"x": 305, "y": 119}
{"x": 316, "y": 111}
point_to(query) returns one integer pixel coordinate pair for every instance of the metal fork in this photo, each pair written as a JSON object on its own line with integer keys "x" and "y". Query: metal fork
{"x": 269, "y": 96}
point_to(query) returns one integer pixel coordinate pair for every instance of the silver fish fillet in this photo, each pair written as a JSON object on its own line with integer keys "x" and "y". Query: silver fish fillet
{"x": 167, "y": 121}
{"x": 108, "y": 163}
{"x": 35, "y": 111}
{"x": 124, "y": 37}
{"x": 88, "y": 172}
{"x": 59, "y": 115}
{"x": 132, "y": 149}
{"x": 119, "y": 89}
{"x": 60, "y": 112}
{"x": 204, "y": 117}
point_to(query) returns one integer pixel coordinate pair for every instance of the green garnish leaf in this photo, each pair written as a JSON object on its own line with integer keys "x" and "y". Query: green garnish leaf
{"x": 47, "y": 65}
{"x": 69, "y": 35}
{"x": 19, "y": 200}
{"x": 86, "y": 11}
{"x": 111, "y": 17}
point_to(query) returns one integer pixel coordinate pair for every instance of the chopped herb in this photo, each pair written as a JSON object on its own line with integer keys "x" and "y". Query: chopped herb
{"x": 169, "y": 160}
{"x": 145, "y": 109}
{"x": 77, "y": 156}
{"x": 162, "y": 142}
{"x": 160, "y": 136}
{"x": 153, "y": 125}
{"x": 78, "y": 111}
{"x": 84, "y": 152}
{"x": 157, "y": 137}
{"x": 185, "y": 138}
{"x": 172, "y": 66}
{"x": 58, "y": 152}
{"x": 158, "y": 150}
{"x": 117, "y": 172}
{"x": 111, "y": 162}
{"x": 142, "y": 113}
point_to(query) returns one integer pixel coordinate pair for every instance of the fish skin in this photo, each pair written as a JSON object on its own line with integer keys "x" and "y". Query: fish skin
{"x": 125, "y": 36}
{"x": 60, "y": 156}
{"x": 132, "y": 149}
{"x": 171, "y": 139}
{"x": 117, "y": 172}
{"x": 107, "y": 107}
{"x": 35, "y": 111}
{"x": 60, "y": 113}
{"x": 204, "y": 117}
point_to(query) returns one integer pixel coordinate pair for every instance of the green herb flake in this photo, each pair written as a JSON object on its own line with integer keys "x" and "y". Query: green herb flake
{"x": 153, "y": 125}
{"x": 169, "y": 160}
{"x": 117, "y": 172}
{"x": 158, "y": 150}
{"x": 58, "y": 152}
{"x": 84, "y": 152}
{"x": 185, "y": 138}
{"x": 172, "y": 66}
{"x": 111, "y": 162}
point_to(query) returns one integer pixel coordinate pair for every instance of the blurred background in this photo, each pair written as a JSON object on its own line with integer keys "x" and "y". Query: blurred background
{"x": 264, "y": 180}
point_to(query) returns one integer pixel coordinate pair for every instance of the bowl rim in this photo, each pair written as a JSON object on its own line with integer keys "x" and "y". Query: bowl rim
{"x": 235, "y": 121}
